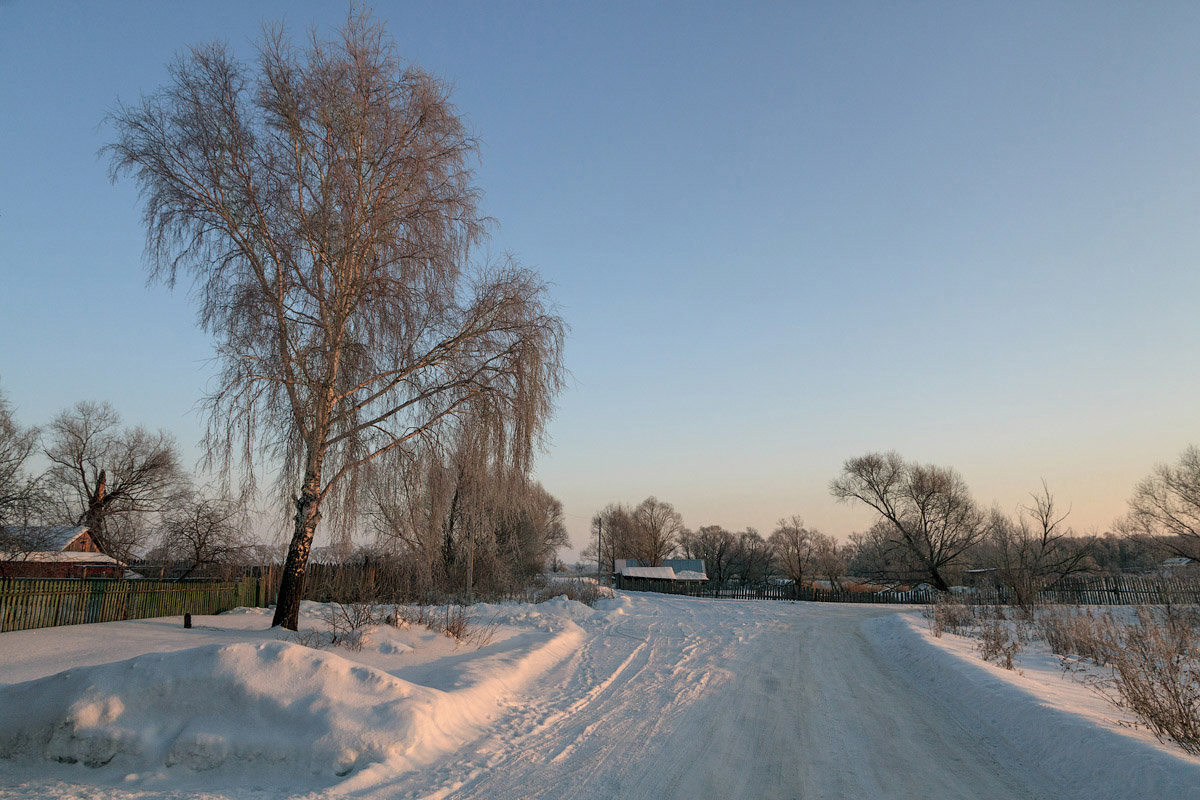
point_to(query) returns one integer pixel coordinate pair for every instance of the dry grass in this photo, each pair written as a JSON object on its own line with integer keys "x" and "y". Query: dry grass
{"x": 998, "y": 640}
{"x": 1075, "y": 633}
{"x": 454, "y": 621}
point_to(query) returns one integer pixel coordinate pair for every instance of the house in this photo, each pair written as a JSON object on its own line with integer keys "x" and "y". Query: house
{"x": 1178, "y": 566}
{"x": 63, "y": 551}
{"x": 672, "y": 574}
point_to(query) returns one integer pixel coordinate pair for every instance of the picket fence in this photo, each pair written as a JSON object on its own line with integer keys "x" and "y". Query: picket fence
{"x": 1097, "y": 590}
{"x": 792, "y": 593}
{"x": 41, "y": 603}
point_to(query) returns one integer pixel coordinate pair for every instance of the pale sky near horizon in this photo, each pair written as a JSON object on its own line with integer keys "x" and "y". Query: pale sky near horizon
{"x": 783, "y": 234}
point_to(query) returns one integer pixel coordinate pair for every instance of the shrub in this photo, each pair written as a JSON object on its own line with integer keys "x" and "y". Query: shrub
{"x": 452, "y": 620}
{"x": 1153, "y": 664}
{"x": 998, "y": 641}
{"x": 948, "y": 613}
{"x": 351, "y": 623}
{"x": 1156, "y": 673}
{"x": 583, "y": 590}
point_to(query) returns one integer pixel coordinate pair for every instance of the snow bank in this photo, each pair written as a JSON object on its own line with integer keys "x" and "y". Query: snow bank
{"x": 267, "y": 708}
{"x": 243, "y": 705}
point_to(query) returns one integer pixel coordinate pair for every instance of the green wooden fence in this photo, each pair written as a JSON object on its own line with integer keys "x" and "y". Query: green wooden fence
{"x": 42, "y": 603}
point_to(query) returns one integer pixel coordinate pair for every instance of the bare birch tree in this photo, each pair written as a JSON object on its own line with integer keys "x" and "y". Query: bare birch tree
{"x": 323, "y": 204}
{"x": 927, "y": 509}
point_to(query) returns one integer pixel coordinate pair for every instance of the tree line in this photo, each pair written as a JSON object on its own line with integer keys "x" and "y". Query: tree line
{"x": 653, "y": 531}
{"x": 928, "y": 529}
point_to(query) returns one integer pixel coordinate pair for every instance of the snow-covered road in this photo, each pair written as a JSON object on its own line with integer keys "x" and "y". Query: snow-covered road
{"x": 646, "y": 697}
{"x": 695, "y": 699}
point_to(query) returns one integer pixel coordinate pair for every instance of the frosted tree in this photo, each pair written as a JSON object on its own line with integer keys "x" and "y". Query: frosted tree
{"x": 323, "y": 202}
{"x": 925, "y": 510}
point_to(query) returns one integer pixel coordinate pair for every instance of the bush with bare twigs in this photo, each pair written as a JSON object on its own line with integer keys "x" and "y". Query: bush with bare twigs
{"x": 1073, "y": 632}
{"x": 454, "y": 621}
{"x": 582, "y": 590}
{"x": 1155, "y": 663}
{"x": 949, "y": 614}
{"x": 998, "y": 640}
{"x": 351, "y": 624}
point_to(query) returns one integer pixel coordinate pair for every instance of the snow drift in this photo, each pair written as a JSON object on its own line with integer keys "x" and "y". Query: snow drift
{"x": 271, "y": 706}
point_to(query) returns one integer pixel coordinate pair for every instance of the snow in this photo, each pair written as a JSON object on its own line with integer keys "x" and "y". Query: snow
{"x": 655, "y": 573}
{"x": 642, "y": 696}
{"x": 60, "y": 557}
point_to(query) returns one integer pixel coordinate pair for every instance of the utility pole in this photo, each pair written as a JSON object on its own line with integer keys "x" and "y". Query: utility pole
{"x": 599, "y": 554}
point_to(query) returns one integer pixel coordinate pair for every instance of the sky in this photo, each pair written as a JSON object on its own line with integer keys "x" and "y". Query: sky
{"x": 783, "y": 235}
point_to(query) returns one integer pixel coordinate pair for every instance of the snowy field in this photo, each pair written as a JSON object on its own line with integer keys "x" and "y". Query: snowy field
{"x": 642, "y": 697}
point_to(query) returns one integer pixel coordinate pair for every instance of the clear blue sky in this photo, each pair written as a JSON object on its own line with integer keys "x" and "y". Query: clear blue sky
{"x": 784, "y": 234}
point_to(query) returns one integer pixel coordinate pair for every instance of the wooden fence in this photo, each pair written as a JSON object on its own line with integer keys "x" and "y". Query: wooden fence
{"x": 804, "y": 593}
{"x": 35, "y": 603}
{"x": 1099, "y": 590}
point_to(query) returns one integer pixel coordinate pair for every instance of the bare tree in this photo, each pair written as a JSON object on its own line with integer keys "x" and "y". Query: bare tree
{"x": 928, "y": 509}
{"x": 795, "y": 548}
{"x": 656, "y": 526}
{"x": 324, "y": 206}
{"x": 804, "y": 554}
{"x": 108, "y": 477}
{"x": 879, "y": 555}
{"x": 715, "y": 546}
{"x": 614, "y": 530}
{"x": 20, "y": 492}
{"x": 205, "y": 533}
{"x": 753, "y": 559}
{"x": 1166, "y": 506}
{"x": 1036, "y": 549}
{"x": 466, "y": 524}
{"x": 832, "y": 559}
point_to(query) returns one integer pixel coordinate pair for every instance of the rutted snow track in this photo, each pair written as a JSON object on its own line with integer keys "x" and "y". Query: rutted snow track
{"x": 699, "y": 699}
{"x": 651, "y": 697}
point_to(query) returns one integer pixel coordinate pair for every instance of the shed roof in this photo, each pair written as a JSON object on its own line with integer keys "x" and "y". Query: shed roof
{"x": 59, "y": 557}
{"x": 690, "y": 575}
{"x": 43, "y": 537}
{"x": 654, "y": 573}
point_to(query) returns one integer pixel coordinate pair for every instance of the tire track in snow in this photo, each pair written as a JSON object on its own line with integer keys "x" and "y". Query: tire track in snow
{"x": 688, "y": 698}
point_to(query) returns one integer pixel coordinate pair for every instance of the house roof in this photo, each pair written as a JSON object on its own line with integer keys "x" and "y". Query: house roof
{"x": 690, "y": 575}
{"x": 682, "y": 569}
{"x": 44, "y": 538}
{"x": 654, "y": 573}
{"x": 662, "y": 574}
{"x": 59, "y": 557}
